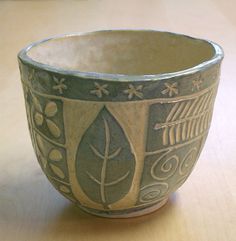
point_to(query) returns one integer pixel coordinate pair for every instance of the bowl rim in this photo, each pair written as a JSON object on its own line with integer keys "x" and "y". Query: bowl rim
{"x": 217, "y": 58}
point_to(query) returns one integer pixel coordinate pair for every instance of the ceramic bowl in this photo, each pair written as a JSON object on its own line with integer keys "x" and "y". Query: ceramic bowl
{"x": 118, "y": 118}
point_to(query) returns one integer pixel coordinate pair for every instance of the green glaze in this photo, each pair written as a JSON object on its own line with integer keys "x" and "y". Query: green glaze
{"x": 117, "y": 144}
{"x": 105, "y": 148}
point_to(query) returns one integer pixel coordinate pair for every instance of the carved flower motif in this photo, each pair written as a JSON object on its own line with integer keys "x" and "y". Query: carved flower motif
{"x": 196, "y": 84}
{"x": 134, "y": 91}
{"x": 54, "y": 157}
{"x": 171, "y": 89}
{"x": 60, "y": 86}
{"x": 100, "y": 90}
{"x": 42, "y": 116}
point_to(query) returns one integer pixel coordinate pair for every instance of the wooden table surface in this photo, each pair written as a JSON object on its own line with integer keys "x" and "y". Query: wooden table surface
{"x": 203, "y": 209}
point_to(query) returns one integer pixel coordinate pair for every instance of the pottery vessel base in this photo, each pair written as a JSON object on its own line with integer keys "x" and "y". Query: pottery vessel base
{"x": 128, "y": 214}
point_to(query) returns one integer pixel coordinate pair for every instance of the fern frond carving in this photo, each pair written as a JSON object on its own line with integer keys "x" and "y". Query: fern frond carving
{"x": 187, "y": 119}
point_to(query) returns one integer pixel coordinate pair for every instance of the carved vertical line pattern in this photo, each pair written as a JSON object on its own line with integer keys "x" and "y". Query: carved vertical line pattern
{"x": 184, "y": 130}
{"x": 193, "y": 128}
{"x": 178, "y": 111}
{"x": 172, "y": 112}
{"x": 213, "y": 95}
{"x": 205, "y": 106}
{"x": 202, "y": 125}
{"x": 178, "y": 133}
{"x": 206, "y": 121}
{"x": 165, "y": 136}
{"x": 200, "y": 101}
{"x": 203, "y": 121}
{"x": 191, "y": 107}
{"x": 189, "y": 123}
{"x": 203, "y": 103}
{"x": 186, "y": 108}
{"x": 158, "y": 151}
{"x": 186, "y": 116}
{"x": 172, "y": 135}
{"x": 198, "y": 125}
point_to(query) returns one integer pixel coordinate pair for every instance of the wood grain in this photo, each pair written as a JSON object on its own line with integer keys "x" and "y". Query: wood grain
{"x": 204, "y": 209}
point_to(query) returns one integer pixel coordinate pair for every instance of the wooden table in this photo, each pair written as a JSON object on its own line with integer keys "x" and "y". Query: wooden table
{"x": 204, "y": 209}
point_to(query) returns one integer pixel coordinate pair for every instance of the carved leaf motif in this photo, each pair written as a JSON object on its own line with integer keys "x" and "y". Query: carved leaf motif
{"x": 51, "y": 109}
{"x": 64, "y": 189}
{"x": 54, "y": 129}
{"x": 40, "y": 151}
{"x": 186, "y": 119}
{"x": 55, "y": 155}
{"x": 57, "y": 171}
{"x": 37, "y": 104}
{"x": 39, "y": 143}
{"x": 105, "y": 163}
{"x": 38, "y": 119}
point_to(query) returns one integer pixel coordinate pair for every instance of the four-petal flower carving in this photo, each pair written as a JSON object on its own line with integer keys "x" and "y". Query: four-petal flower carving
{"x": 196, "y": 84}
{"x": 134, "y": 91}
{"x": 41, "y": 115}
{"x": 171, "y": 89}
{"x": 60, "y": 86}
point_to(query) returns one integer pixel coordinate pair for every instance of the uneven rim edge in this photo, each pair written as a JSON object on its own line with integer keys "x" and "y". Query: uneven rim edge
{"x": 217, "y": 58}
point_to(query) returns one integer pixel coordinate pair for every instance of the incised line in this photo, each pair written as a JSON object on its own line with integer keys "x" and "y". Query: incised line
{"x": 163, "y": 125}
{"x": 54, "y": 178}
{"x": 149, "y": 153}
{"x": 104, "y": 164}
{"x": 48, "y": 139}
{"x": 109, "y": 183}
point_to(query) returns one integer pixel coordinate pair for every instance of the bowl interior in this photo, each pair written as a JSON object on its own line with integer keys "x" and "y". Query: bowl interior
{"x": 123, "y": 52}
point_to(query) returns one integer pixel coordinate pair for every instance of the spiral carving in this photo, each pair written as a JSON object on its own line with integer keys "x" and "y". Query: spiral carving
{"x": 163, "y": 168}
{"x": 188, "y": 162}
{"x": 153, "y": 192}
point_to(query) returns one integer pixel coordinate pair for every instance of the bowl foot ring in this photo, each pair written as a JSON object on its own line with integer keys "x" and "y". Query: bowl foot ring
{"x": 127, "y": 213}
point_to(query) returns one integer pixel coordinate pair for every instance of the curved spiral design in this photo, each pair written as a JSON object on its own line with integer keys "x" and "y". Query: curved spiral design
{"x": 188, "y": 162}
{"x": 153, "y": 192}
{"x": 163, "y": 168}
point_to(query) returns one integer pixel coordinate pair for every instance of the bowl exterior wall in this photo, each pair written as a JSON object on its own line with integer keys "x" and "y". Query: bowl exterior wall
{"x": 114, "y": 147}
